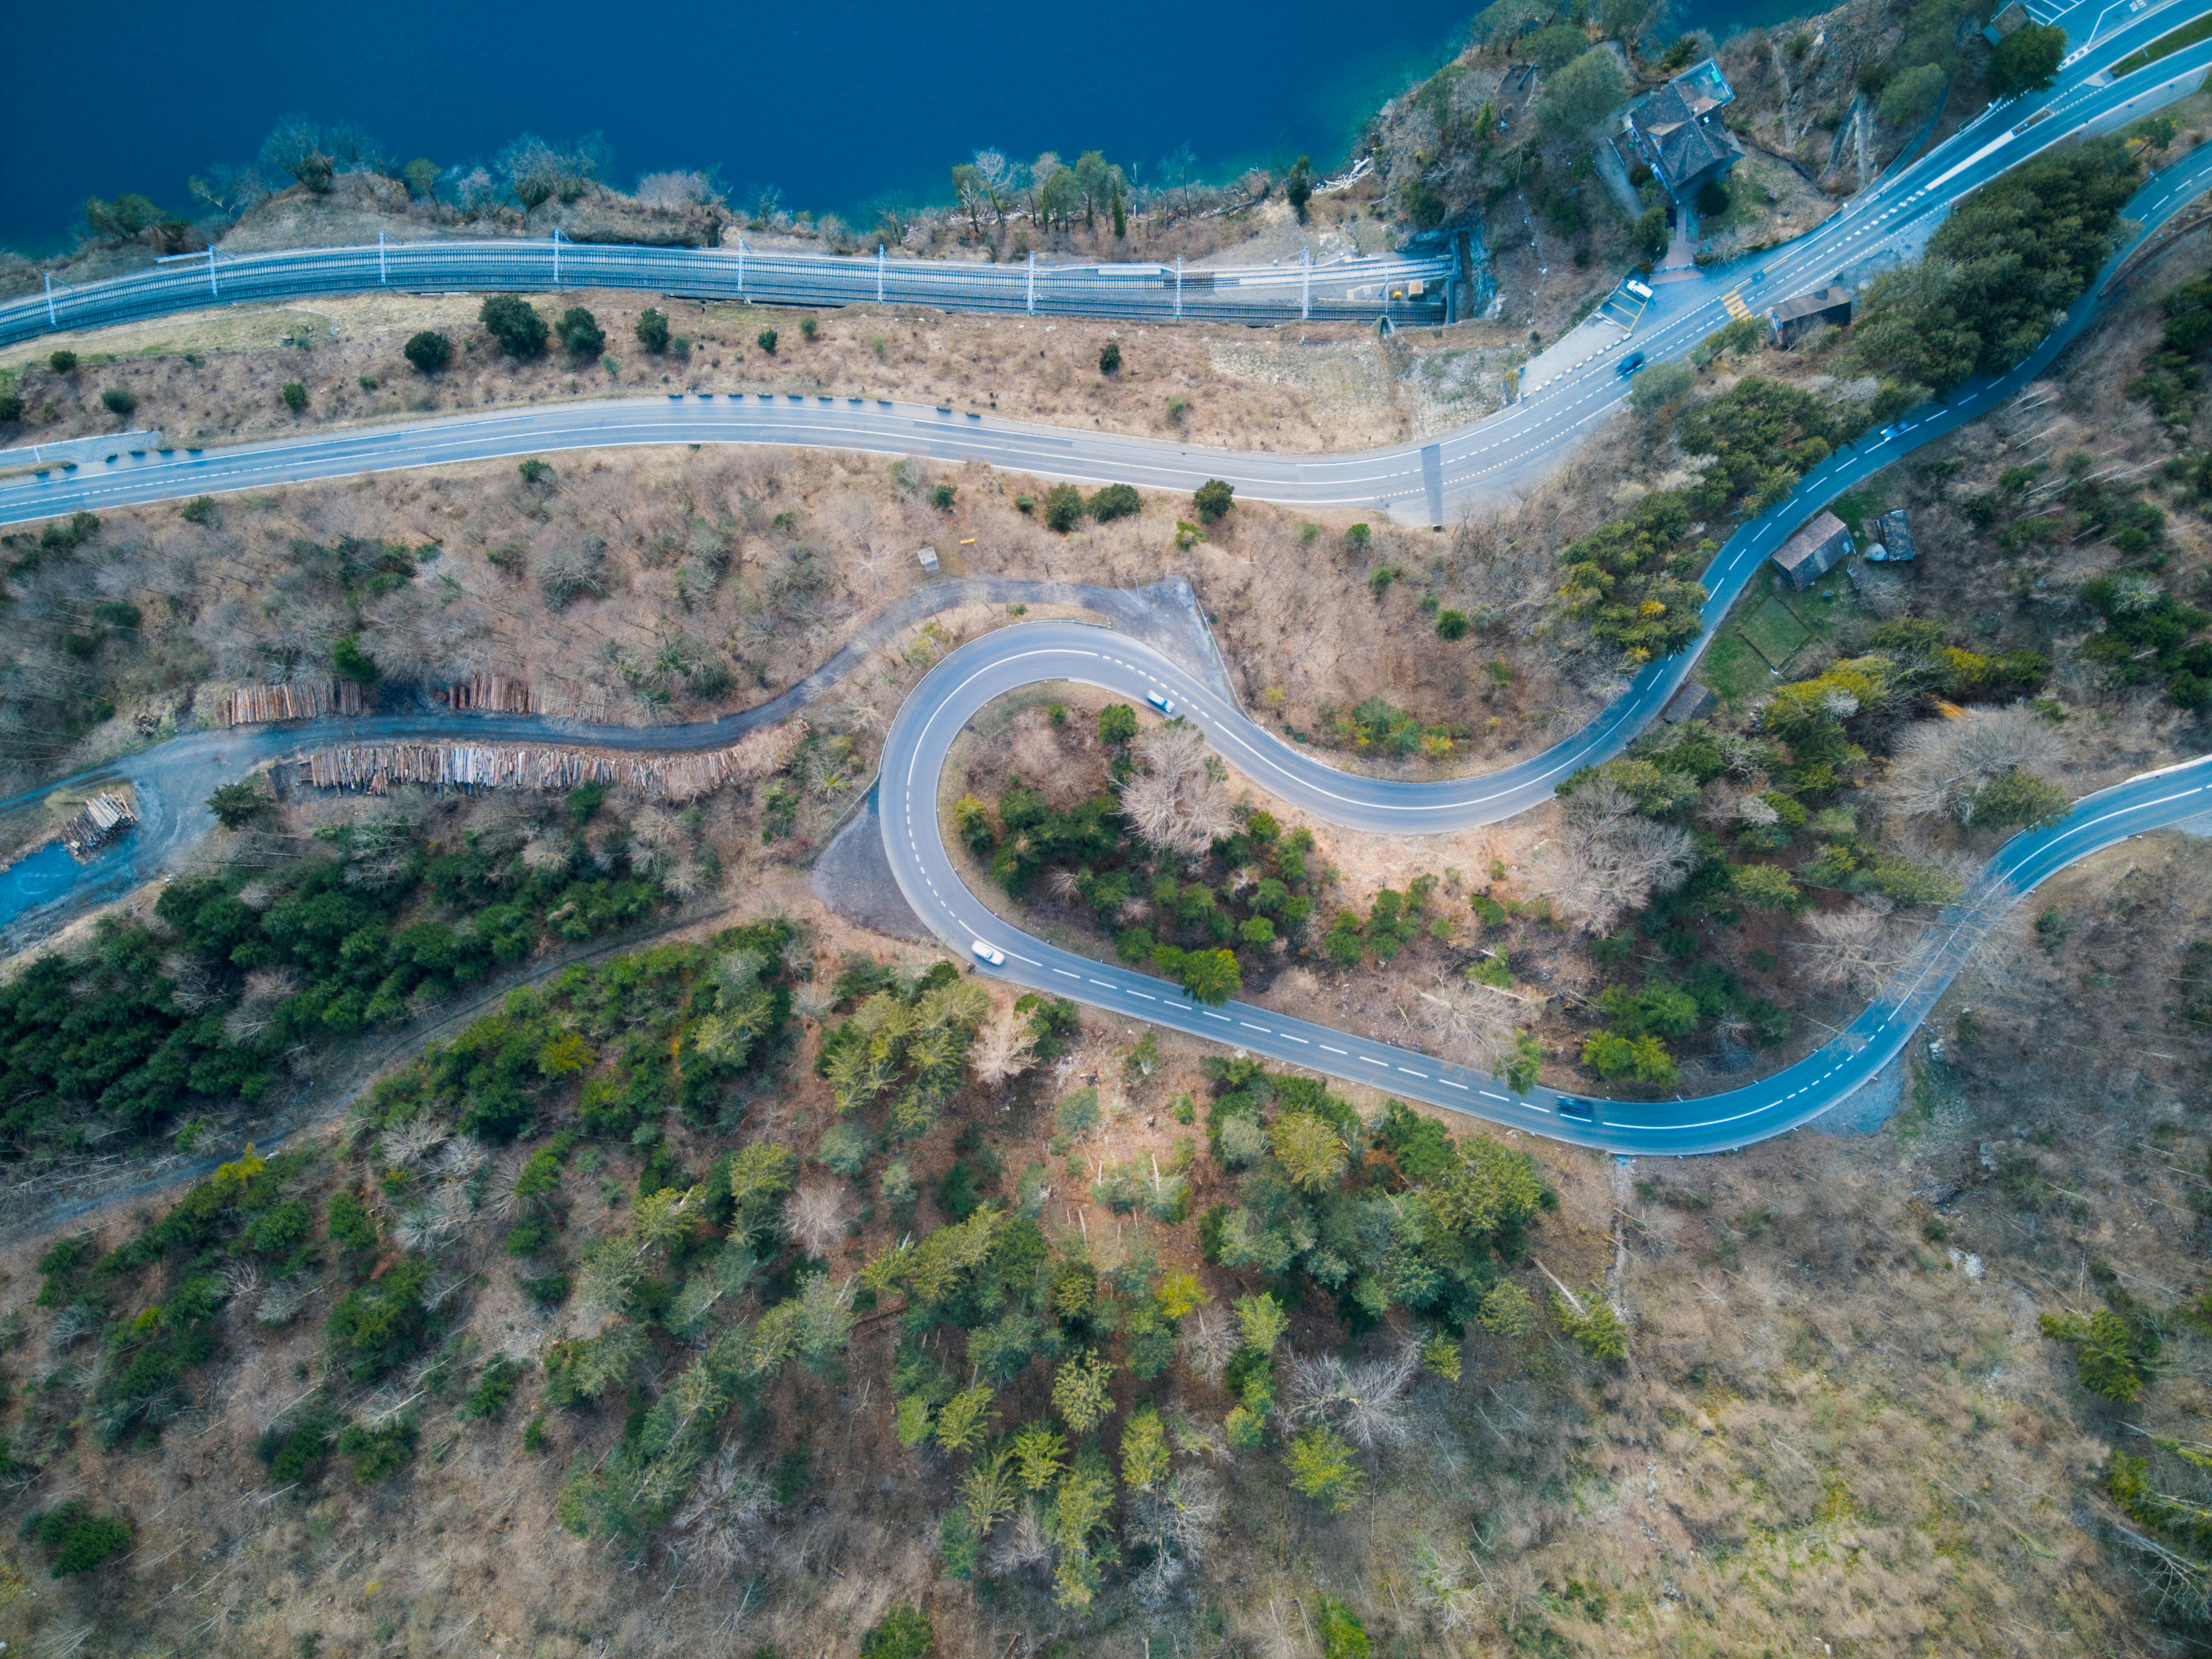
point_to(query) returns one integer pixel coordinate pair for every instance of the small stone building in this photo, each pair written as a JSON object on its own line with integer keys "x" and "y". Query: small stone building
{"x": 1814, "y": 551}
{"x": 1793, "y": 319}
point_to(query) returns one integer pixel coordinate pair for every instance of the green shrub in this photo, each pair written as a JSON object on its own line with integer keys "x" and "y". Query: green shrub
{"x": 79, "y": 1538}
{"x": 580, "y": 333}
{"x": 1342, "y": 1635}
{"x": 652, "y": 330}
{"x": 513, "y": 322}
{"x": 1645, "y": 1059}
{"x": 1109, "y": 358}
{"x": 380, "y": 1453}
{"x": 355, "y": 663}
{"x": 297, "y": 1450}
{"x": 1119, "y": 501}
{"x": 62, "y": 362}
{"x": 1421, "y": 204}
{"x": 1212, "y": 499}
{"x": 495, "y": 1388}
{"x": 1063, "y": 508}
{"x": 2116, "y": 1359}
{"x": 904, "y": 1632}
{"x": 118, "y": 401}
{"x": 237, "y": 804}
{"x": 295, "y": 396}
{"x": 2018, "y": 799}
{"x": 381, "y": 1324}
{"x": 1594, "y": 1328}
{"x": 766, "y": 341}
{"x": 429, "y": 351}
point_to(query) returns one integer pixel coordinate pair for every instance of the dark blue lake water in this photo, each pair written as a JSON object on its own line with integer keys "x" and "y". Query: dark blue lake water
{"x": 833, "y": 107}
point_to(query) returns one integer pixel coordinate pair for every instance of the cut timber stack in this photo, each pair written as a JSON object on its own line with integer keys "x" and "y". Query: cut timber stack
{"x": 97, "y": 822}
{"x": 301, "y": 700}
{"x": 496, "y": 694}
{"x": 375, "y": 767}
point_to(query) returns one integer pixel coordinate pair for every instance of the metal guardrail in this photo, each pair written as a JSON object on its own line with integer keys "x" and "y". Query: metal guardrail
{"x": 1406, "y": 291}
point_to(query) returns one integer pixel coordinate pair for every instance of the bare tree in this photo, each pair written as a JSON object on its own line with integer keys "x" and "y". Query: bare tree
{"x": 570, "y": 570}
{"x": 407, "y": 1143}
{"x": 1175, "y": 799}
{"x": 1855, "y": 949}
{"x": 1940, "y": 766}
{"x": 1004, "y": 1046}
{"x": 1209, "y": 1340}
{"x": 719, "y": 1521}
{"x": 1613, "y": 858}
{"x": 1026, "y": 1543}
{"x": 1000, "y": 179}
{"x": 1179, "y": 1519}
{"x": 1365, "y": 1400}
{"x": 678, "y": 191}
{"x": 1444, "y": 1593}
{"x": 1480, "y": 1022}
{"x": 817, "y": 1214}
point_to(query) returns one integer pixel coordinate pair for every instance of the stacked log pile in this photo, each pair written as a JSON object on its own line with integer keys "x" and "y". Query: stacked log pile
{"x": 96, "y": 823}
{"x": 570, "y": 699}
{"x": 496, "y": 693}
{"x": 374, "y": 768}
{"x": 298, "y": 700}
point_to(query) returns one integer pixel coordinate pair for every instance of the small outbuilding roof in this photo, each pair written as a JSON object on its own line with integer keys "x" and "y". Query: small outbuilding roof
{"x": 1692, "y": 701}
{"x": 1897, "y": 535}
{"x": 1794, "y": 317}
{"x": 1814, "y": 550}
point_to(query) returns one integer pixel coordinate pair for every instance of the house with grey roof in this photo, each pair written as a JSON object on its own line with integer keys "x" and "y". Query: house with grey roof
{"x": 1680, "y": 132}
{"x": 1814, "y": 551}
{"x": 1796, "y": 317}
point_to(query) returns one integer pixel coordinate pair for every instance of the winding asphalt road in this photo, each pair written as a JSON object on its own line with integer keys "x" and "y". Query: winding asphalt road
{"x": 1491, "y": 462}
{"x": 977, "y": 674}
{"x": 175, "y": 776}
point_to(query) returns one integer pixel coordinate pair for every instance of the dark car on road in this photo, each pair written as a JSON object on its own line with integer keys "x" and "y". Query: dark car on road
{"x": 1630, "y": 364}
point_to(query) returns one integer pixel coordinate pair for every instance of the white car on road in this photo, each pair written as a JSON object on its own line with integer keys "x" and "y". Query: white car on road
{"x": 989, "y": 953}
